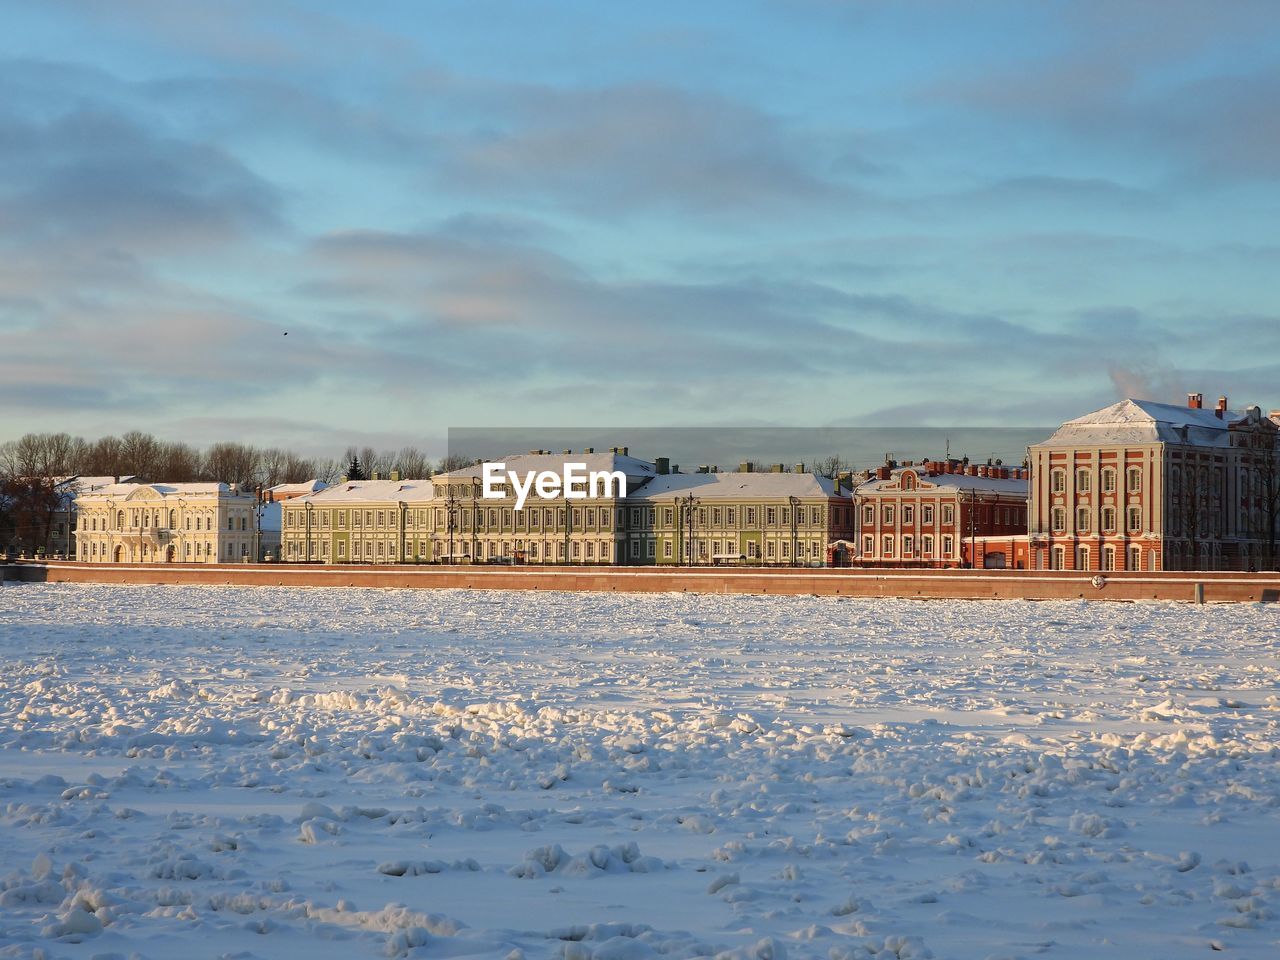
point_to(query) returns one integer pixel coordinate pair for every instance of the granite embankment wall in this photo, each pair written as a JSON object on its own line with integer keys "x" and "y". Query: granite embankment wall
{"x": 1208, "y": 587}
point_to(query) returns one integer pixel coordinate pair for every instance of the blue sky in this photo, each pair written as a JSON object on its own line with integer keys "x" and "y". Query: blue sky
{"x": 510, "y": 214}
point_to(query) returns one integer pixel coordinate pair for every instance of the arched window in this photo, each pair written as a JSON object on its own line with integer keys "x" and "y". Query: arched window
{"x": 173, "y": 519}
{"x": 119, "y": 519}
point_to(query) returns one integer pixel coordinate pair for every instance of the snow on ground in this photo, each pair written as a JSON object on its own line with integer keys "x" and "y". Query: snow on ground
{"x": 231, "y": 772}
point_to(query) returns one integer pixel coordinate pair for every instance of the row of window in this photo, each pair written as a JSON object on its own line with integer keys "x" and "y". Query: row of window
{"x": 148, "y": 519}
{"x": 534, "y": 518}
{"x": 889, "y": 545}
{"x": 1084, "y": 518}
{"x": 1084, "y": 479}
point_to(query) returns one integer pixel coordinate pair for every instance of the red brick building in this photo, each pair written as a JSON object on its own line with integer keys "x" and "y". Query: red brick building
{"x": 1141, "y": 485}
{"x": 935, "y": 513}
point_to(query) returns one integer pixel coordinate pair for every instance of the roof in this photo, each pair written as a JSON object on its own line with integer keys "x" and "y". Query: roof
{"x": 120, "y": 491}
{"x": 524, "y": 463}
{"x": 297, "y": 489}
{"x": 1146, "y": 421}
{"x": 370, "y": 491}
{"x": 735, "y": 486}
{"x": 69, "y": 488}
{"x": 947, "y": 481}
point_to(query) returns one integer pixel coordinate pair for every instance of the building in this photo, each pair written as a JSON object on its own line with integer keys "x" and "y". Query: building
{"x": 470, "y": 528}
{"x": 776, "y": 518}
{"x": 936, "y": 513}
{"x": 360, "y": 521}
{"x": 165, "y": 523}
{"x": 1141, "y": 485}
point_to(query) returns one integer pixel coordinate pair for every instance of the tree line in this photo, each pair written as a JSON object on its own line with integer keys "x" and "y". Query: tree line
{"x": 33, "y": 466}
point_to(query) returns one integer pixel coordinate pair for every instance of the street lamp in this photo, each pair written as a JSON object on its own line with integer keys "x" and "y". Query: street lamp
{"x": 795, "y": 521}
{"x": 475, "y": 517}
{"x": 687, "y": 504}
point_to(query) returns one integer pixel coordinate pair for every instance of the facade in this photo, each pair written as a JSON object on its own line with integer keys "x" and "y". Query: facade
{"x": 359, "y": 521}
{"x": 935, "y": 513}
{"x": 469, "y": 528}
{"x": 165, "y": 523}
{"x": 758, "y": 519}
{"x": 1141, "y": 485}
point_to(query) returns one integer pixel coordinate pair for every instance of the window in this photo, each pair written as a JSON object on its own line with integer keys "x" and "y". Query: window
{"x": 815, "y": 515}
{"x": 731, "y": 516}
{"x": 926, "y": 514}
{"x": 1108, "y": 480}
{"x": 1134, "y": 479}
{"x": 751, "y": 516}
{"x": 868, "y": 515}
{"x": 1082, "y": 518}
{"x": 908, "y": 545}
{"x": 1082, "y": 558}
{"x": 926, "y": 543}
{"x": 715, "y": 516}
{"x": 342, "y": 549}
{"x": 868, "y": 546}
{"x": 888, "y": 515}
{"x": 768, "y": 550}
{"x": 1135, "y": 558}
{"x": 635, "y": 549}
{"x": 1082, "y": 480}
{"x": 948, "y": 515}
{"x": 908, "y": 515}
{"x": 908, "y": 481}
{"x": 1135, "y": 518}
{"x": 666, "y": 516}
{"x": 1058, "y": 558}
{"x": 1109, "y": 558}
{"x": 666, "y": 549}
{"x": 887, "y": 547}
{"x": 1108, "y": 519}
{"x": 1059, "y": 518}
{"x": 1058, "y": 481}
{"x": 948, "y": 546}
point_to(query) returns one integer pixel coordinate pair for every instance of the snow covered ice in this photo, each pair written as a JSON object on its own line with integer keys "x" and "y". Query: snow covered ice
{"x": 233, "y": 772}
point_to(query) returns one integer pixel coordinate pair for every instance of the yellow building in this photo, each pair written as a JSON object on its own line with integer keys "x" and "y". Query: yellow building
{"x": 360, "y": 521}
{"x": 165, "y": 523}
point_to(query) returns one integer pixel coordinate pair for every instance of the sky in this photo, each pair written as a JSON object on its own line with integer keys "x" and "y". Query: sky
{"x": 315, "y": 224}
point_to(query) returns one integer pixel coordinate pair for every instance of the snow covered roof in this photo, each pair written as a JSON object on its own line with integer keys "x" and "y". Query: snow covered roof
{"x": 379, "y": 491}
{"x": 946, "y": 481}
{"x": 734, "y": 486}
{"x": 70, "y": 488}
{"x": 1146, "y": 421}
{"x": 121, "y": 491}
{"x": 523, "y": 463}
{"x": 297, "y": 489}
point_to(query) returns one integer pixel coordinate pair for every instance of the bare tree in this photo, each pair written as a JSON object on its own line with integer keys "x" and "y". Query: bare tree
{"x": 413, "y": 463}
{"x": 455, "y": 462}
{"x": 232, "y": 463}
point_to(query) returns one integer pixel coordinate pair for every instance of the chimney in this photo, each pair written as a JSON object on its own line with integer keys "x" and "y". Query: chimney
{"x": 588, "y": 449}
{"x": 625, "y": 451}
{"x": 376, "y": 476}
{"x": 662, "y": 465}
{"x": 882, "y": 473}
{"x": 395, "y": 476}
{"x": 837, "y": 487}
{"x": 745, "y": 466}
{"x": 1221, "y": 409}
{"x": 1195, "y": 400}
{"x": 799, "y": 468}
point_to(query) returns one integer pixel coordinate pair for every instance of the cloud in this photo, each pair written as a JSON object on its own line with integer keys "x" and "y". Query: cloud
{"x": 628, "y": 149}
{"x": 91, "y": 179}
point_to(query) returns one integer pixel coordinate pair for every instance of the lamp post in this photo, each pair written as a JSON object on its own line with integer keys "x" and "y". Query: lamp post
{"x": 795, "y": 520}
{"x": 451, "y": 504}
{"x": 687, "y": 504}
{"x": 475, "y": 517}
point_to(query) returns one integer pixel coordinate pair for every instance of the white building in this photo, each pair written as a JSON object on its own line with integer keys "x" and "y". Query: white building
{"x": 165, "y": 523}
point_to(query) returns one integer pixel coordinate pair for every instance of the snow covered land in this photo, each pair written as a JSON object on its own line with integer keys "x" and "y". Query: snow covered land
{"x": 195, "y": 772}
